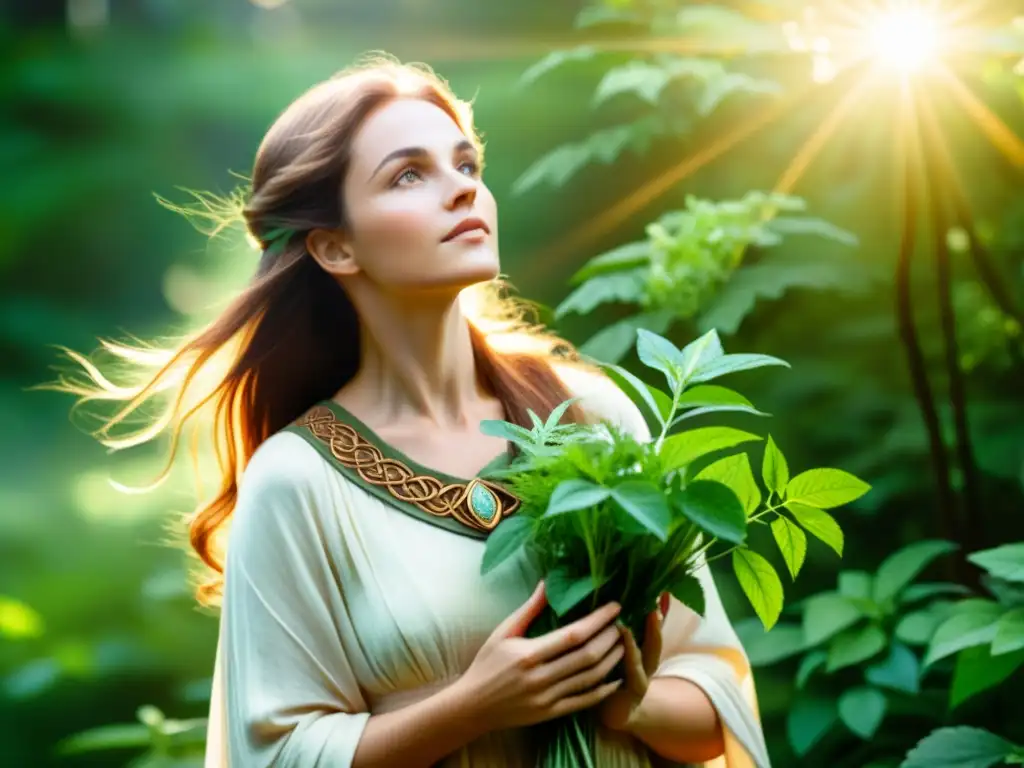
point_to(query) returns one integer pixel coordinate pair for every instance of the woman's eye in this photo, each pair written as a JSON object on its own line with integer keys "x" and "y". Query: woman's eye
{"x": 473, "y": 167}
{"x": 407, "y": 176}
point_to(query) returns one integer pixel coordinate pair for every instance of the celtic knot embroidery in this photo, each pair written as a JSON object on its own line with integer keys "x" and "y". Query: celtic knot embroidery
{"x": 481, "y": 505}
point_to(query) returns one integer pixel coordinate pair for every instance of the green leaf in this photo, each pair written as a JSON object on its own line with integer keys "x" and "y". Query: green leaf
{"x": 855, "y": 585}
{"x": 699, "y": 352}
{"x": 664, "y": 403}
{"x": 900, "y": 671}
{"x": 575, "y": 494}
{"x": 639, "y": 388}
{"x": 792, "y": 544}
{"x": 1009, "y": 633}
{"x": 707, "y": 395}
{"x": 682, "y": 449}
{"x": 1005, "y": 562}
{"x": 18, "y": 621}
{"x": 825, "y": 488}
{"x": 760, "y": 584}
{"x": 766, "y": 648}
{"x": 828, "y": 614}
{"x": 808, "y": 666}
{"x": 727, "y": 364}
{"x": 644, "y": 79}
{"x": 505, "y": 430}
{"x": 960, "y": 747}
{"x": 916, "y": 592}
{"x": 735, "y": 472}
{"x": 862, "y": 709}
{"x": 963, "y": 630}
{"x": 554, "y": 60}
{"x": 646, "y": 504}
{"x": 917, "y": 628}
{"x": 714, "y": 508}
{"x": 686, "y": 589}
{"x": 661, "y": 354}
{"x": 854, "y": 646}
{"x": 558, "y": 412}
{"x": 564, "y": 591}
{"x": 808, "y": 720}
{"x": 977, "y": 671}
{"x": 611, "y": 343}
{"x": 818, "y": 523}
{"x": 808, "y": 225}
{"x": 617, "y": 287}
{"x": 126, "y": 736}
{"x": 774, "y": 470}
{"x": 505, "y": 540}
{"x": 901, "y": 568}
{"x": 625, "y": 257}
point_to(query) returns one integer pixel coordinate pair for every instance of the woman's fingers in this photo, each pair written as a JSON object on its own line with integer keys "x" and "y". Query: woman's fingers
{"x": 586, "y": 700}
{"x": 636, "y": 675}
{"x": 519, "y": 620}
{"x": 570, "y": 637}
{"x": 585, "y": 657}
{"x": 589, "y": 677}
{"x": 651, "y": 652}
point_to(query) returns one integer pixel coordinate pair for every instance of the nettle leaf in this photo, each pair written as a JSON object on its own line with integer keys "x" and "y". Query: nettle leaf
{"x": 818, "y": 523}
{"x": 900, "y": 671}
{"x": 700, "y": 352}
{"x": 735, "y": 472}
{"x": 623, "y": 287}
{"x": 625, "y": 257}
{"x": 714, "y": 508}
{"x": 564, "y": 591}
{"x": 505, "y": 430}
{"x": 792, "y": 544}
{"x": 642, "y": 78}
{"x": 774, "y": 469}
{"x": 810, "y": 664}
{"x": 558, "y": 412}
{"x": 1005, "y": 562}
{"x": 855, "y": 585}
{"x": 726, "y": 84}
{"x": 825, "y": 488}
{"x": 810, "y": 225}
{"x": 576, "y": 494}
{"x": 505, "y": 540}
{"x": 613, "y": 342}
{"x": 766, "y": 648}
{"x": 639, "y": 392}
{"x": 808, "y": 720}
{"x": 554, "y": 60}
{"x": 862, "y": 709}
{"x": 760, "y": 583}
{"x": 828, "y": 614}
{"x": 1009, "y": 633}
{"x": 899, "y": 569}
{"x": 727, "y": 364}
{"x": 682, "y": 449}
{"x": 854, "y": 646}
{"x": 960, "y": 747}
{"x": 771, "y": 280}
{"x": 917, "y": 628}
{"x": 977, "y": 671}
{"x": 976, "y": 626}
{"x": 916, "y": 592}
{"x": 687, "y": 589}
{"x": 661, "y": 354}
{"x": 646, "y": 504}
{"x": 708, "y": 398}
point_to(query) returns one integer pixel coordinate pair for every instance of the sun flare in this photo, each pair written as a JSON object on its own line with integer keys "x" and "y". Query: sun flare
{"x": 904, "y": 39}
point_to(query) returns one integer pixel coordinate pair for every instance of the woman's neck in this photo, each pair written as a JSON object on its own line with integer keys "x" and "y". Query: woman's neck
{"x": 417, "y": 362}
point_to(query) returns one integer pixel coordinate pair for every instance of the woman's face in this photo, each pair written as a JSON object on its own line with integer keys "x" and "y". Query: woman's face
{"x": 415, "y": 178}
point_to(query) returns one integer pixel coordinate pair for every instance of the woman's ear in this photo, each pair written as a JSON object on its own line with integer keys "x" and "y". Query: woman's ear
{"x": 332, "y": 251}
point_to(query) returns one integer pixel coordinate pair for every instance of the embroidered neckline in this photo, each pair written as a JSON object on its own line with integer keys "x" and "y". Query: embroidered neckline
{"x": 477, "y": 504}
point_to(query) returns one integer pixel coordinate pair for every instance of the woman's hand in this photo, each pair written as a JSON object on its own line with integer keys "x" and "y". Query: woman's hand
{"x": 619, "y": 709}
{"x": 516, "y": 681}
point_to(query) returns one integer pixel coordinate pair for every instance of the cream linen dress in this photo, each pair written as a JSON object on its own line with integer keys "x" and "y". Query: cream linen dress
{"x": 338, "y": 605}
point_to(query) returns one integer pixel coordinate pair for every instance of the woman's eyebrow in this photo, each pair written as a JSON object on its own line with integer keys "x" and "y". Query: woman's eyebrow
{"x": 419, "y": 152}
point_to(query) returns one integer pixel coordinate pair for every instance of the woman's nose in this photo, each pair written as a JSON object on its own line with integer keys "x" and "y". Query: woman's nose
{"x": 463, "y": 191}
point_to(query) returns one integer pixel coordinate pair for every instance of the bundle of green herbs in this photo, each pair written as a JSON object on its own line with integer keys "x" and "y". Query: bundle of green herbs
{"x": 607, "y": 516}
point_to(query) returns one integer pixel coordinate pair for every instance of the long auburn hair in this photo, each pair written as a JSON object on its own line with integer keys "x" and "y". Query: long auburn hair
{"x": 290, "y": 338}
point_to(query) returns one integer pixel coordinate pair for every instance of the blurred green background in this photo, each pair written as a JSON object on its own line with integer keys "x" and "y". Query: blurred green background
{"x": 108, "y": 103}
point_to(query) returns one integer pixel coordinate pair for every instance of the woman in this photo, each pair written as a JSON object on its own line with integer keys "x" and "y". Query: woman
{"x": 355, "y": 627}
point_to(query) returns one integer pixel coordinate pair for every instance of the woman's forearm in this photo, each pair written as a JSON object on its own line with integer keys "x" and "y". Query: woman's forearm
{"x": 419, "y": 735}
{"x": 678, "y": 721}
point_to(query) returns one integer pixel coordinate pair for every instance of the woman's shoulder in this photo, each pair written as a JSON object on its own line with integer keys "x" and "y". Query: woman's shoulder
{"x": 601, "y": 398}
